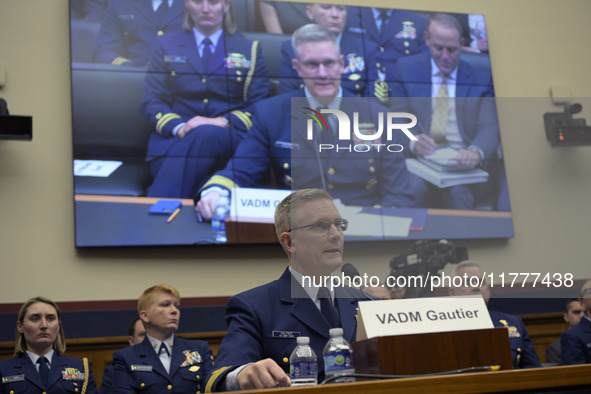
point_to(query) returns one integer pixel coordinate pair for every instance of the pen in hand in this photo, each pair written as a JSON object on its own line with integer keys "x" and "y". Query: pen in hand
{"x": 174, "y": 214}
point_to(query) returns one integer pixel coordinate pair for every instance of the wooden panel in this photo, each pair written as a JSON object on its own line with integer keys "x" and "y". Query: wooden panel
{"x": 544, "y": 328}
{"x": 447, "y": 351}
{"x": 250, "y": 232}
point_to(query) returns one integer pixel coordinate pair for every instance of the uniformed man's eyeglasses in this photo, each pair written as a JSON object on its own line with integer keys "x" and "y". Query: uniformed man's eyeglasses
{"x": 323, "y": 226}
{"x": 312, "y": 65}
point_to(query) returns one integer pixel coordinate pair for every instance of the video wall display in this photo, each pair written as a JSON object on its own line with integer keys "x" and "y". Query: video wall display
{"x": 178, "y": 108}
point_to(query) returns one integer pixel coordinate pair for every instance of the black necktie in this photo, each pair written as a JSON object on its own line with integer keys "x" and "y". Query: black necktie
{"x": 161, "y": 11}
{"x": 384, "y": 18}
{"x": 207, "y": 54}
{"x": 165, "y": 348}
{"x": 43, "y": 369}
{"x": 329, "y": 312}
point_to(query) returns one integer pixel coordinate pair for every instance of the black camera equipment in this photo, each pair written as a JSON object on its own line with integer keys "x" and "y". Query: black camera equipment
{"x": 426, "y": 259}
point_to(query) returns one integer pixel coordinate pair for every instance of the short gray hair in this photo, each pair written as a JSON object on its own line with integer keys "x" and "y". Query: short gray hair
{"x": 290, "y": 204}
{"x": 312, "y": 32}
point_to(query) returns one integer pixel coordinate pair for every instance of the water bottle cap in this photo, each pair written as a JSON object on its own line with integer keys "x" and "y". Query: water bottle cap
{"x": 336, "y": 332}
{"x": 303, "y": 340}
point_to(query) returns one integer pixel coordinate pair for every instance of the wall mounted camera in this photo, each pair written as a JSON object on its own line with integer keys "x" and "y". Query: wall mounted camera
{"x": 564, "y": 130}
{"x": 14, "y": 127}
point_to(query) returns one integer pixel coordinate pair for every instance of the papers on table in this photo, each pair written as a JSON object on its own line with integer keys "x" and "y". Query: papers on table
{"x": 443, "y": 179}
{"x": 363, "y": 224}
{"x": 98, "y": 168}
{"x": 442, "y": 159}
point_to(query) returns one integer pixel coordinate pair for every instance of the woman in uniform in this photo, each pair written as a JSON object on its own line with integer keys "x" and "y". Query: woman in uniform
{"x": 38, "y": 365}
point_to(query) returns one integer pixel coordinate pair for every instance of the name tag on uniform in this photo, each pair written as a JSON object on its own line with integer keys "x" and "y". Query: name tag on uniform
{"x": 175, "y": 59}
{"x": 125, "y": 17}
{"x": 13, "y": 378}
{"x": 286, "y": 334}
{"x": 286, "y": 145}
{"x": 141, "y": 368}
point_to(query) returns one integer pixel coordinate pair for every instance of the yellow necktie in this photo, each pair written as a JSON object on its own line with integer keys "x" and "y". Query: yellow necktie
{"x": 441, "y": 114}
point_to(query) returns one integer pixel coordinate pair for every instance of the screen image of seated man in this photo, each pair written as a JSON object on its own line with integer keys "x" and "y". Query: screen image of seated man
{"x": 263, "y": 322}
{"x": 454, "y": 104}
{"x": 129, "y": 28}
{"x": 360, "y": 69}
{"x": 278, "y": 141}
{"x": 199, "y": 83}
{"x": 522, "y": 348}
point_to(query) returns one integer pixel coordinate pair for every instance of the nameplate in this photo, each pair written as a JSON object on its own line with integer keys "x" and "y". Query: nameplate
{"x": 286, "y": 334}
{"x": 13, "y": 378}
{"x": 142, "y": 368}
{"x": 256, "y": 204}
{"x": 421, "y": 315}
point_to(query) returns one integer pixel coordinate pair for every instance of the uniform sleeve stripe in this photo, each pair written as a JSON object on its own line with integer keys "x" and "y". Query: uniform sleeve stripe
{"x": 244, "y": 117}
{"x": 119, "y": 61}
{"x": 164, "y": 120}
{"x": 220, "y": 181}
{"x": 213, "y": 378}
{"x": 253, "y": 65}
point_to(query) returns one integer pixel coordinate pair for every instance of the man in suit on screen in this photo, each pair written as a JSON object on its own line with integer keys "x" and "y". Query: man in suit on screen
{"x": 454, "y": 104}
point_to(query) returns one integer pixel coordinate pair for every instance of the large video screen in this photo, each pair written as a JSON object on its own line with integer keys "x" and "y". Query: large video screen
{"x": 181, "y": 106}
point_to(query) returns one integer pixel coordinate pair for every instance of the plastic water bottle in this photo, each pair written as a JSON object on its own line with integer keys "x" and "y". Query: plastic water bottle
{"x": 303, "y": 365}
{"x": 338, "y": 357}
{"x": 218, "y": 219}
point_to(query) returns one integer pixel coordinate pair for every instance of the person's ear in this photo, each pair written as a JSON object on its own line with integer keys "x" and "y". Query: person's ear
{"x": 19, "y": 327}
{"x": 295, "y": 63}
{"x": 309, "y": 12}
{"x": 285, "y": 240}
{"x": 144, "y": 317}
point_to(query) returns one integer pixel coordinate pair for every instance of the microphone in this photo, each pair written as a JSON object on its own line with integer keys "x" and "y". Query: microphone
{"x": 3, "y": 107}
{"x": 319, "y": 162}
{"x": 349, "y": 271}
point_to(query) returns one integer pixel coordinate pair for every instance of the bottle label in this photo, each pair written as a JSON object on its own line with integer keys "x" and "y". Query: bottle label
{"x": 303, "y": 370}
{"x": 338, "y": 361}
{"x": 218, "y": 225}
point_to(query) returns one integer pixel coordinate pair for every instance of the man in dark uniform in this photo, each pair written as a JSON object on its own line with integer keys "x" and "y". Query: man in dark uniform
{"x": 522, "y": 348}
{"x": 396, "y": 33}
{"x": 199, "y": 84}
{"x": 129, "y": 27}
{"x": 162, "y": 363}
{"x": 263, "y": 322}
{"x": 360, "y": 68}
{"x": 278, "y": 139}
{"x": 573, "y": 314}
{"x": 576, "y": 342}
{"x": 137, "y": 333}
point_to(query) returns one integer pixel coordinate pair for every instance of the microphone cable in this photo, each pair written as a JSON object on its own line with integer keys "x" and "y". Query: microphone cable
{"x": 380, "y": 376}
